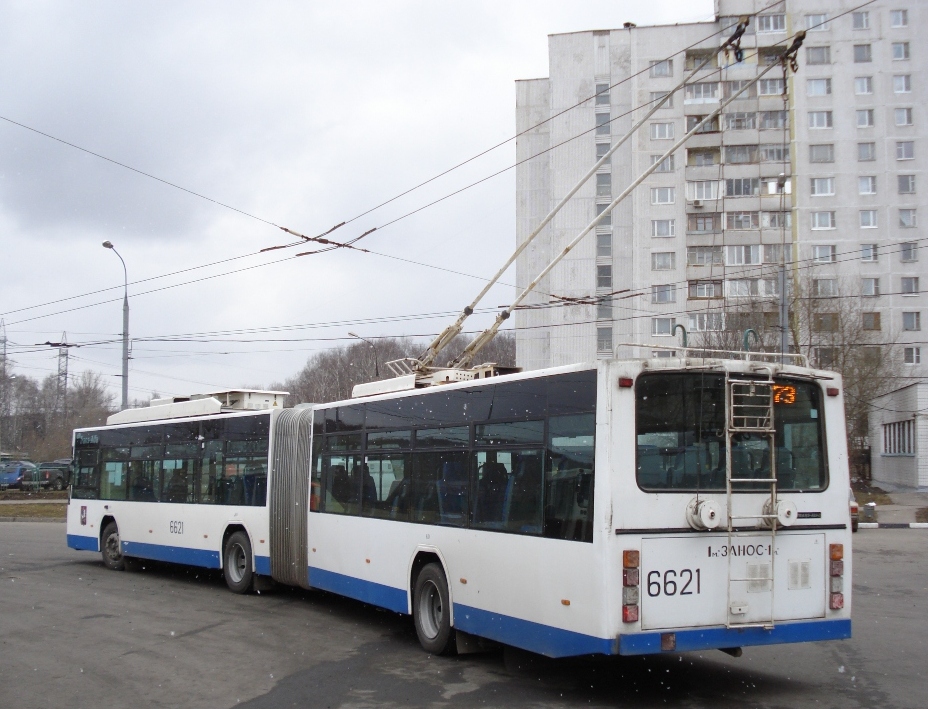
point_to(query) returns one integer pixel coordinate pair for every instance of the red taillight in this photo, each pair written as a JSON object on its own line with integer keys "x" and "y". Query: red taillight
{"x": 629, "y": 614}
{"x": 630, "y": 577}
{"x": 837, "y": 568}
{"x": 626, "y": 382}
{"x": 836, "y": 601}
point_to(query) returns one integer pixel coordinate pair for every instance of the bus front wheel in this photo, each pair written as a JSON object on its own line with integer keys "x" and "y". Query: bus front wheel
{"x": 111, "y": 548}
{"x": 237, "y": 563}
{"x": 431, "y": 610}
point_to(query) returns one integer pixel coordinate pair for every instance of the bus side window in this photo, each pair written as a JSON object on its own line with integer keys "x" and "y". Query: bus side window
{"x": 569, "y": 480}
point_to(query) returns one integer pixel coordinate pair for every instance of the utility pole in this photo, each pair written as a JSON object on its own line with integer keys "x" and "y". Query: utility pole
{"x": 61, "y": 392}
{"x": 3, "y": 383}
{"x": 125, "y": 328}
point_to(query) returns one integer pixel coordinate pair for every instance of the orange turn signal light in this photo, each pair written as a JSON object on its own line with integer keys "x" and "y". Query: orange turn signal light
{"x": 631, "y": 558}
{"x": 836, "y": 552}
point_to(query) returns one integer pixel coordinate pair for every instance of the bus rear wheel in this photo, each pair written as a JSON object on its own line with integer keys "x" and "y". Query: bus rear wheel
{"x": 236, "y": 567}
{"x": 111, "y": 548}
{"x": 431, "y": 611}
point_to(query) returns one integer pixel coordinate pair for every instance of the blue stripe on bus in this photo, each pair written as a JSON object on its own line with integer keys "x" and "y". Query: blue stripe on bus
{"x": 263, "y": 565}
{"x": 82, "y": 543}
{"x": 711, "y": 638}
{"x": 543, "y": 639}
{"x": 376, "y": 594}
{"x": 178, "y": 555}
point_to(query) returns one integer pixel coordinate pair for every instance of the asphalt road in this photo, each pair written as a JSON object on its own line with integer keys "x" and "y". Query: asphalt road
{"x": 73, "y": 634}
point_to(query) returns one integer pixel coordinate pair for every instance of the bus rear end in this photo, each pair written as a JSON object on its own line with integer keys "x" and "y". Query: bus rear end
{"x": 731, "y": 526}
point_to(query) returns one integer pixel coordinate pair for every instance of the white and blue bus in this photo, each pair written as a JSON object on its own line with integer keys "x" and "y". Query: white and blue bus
{"x": 622, "y": 507}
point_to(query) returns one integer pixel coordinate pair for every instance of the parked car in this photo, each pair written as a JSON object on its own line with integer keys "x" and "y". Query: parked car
{"x": 13, "y": 472}
{"x": 855, "y": 512}
{"x": 53, "y": 475}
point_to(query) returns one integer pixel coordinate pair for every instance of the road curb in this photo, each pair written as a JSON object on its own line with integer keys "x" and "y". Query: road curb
{"x": 893, "y": 525}
{"x": 32, "y": 519}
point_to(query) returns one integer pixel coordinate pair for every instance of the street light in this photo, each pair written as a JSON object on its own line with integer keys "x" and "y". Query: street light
{"x": 376, "y": 366}
{"x": 125, "y": 328}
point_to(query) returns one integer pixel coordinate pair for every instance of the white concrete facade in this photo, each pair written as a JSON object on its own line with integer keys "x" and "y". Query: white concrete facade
{"x": 857, "y": 140}
{"x": 898, "y": 437}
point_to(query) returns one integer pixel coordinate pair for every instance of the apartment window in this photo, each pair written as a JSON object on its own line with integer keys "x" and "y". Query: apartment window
{"x": 771, "y": 23}
{"x": 905, "y": 150}
{"x": 912, "y": 322}
{"x": 903, "y": 116}
{"x": 868, "y": 252}
{"x": 776, "y": 220}
{"x": 704, "y": 92}
{"x": 602, "y": 94}
{"x": 666, "y": 165}
{"x": 909, "y": 252}
{"x": 662, "y": 195}
{"x": 662, "y": 68}
{"x": 658, "y": 96}
{"x": 770, "y": 87}
{"x": 772, "y": 120}
{"x": 703, "y": 158}
{"x": 604, "y": 276}
{"x": 602, "y": 124}
{"x": 742, "y": 187}
{"x": 870, "y": 321}
{"x": 902, "y": 84}
{"x": 816, "y": 23}
{"x": 870, "y": 287}
{"x": 703, "y": 256}
{"x": 868, "y": 219}
{"x": 603, "y": 245}
{"x": 702, "y": 189}
{"x": 909, "y": 285}
{"x": 696, "y": 58}
{"x": 822, "y": 153}
{"x": 906, "y": 184}
{"x": 603, "y": 184}
{"x": 665, "y": 293}
{"x": 863, "y": 85}
{"x": 860, "y": 20}
{"x": 743, "y": 255}
{"x": 663, "y": 261}
{"x": 731, "y": 88}
{"x": 707, "y": 127}
{"x": 823, "y": 220}
{"x": 662, "y": 326}
{"x": 912, "y": 355}
{"x": 818, "y": 55}
{"x": 773, "y": 152}
{"x": 824, "y": 254}
{"x": 818, "y": 87}
{"x": 601, "y": 150}
{"x": 866, "y": 152}
{"x": 822, "y": 186}
{"x": 705, "y": 322}
{"x": 773, "y": 253}
{"x": 825, "y": 357}
{"x": 820, "y": 119}
{"x": 740, "y": 121}
{"x": 862, "y": 53}
{"x": 604, "y": 339}
{"x": 866, "y": 184}
{"x": 604, "y": 311}
{"x": 825, "y": 322}
{"x": 907, "y": 218}
{"x": 606, "y": 221}
{"x": 865, "y": 118}
{"x": 661, "y": 131}
{"x": 740, "y": 154}
{"x": 703, "y": 222}
{"x": 742, "y": 220}
{"x": 899, "y": 438}
{"x": 899, "y": 18}
{"x": 742, "y": 287}
{"x": 824, "y": 287}
{"x": 663, "y": 227}
{"x": 900, "y": 51}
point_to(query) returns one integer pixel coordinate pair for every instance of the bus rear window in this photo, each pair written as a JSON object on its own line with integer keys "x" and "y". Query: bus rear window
{"x": 680, "y": 427}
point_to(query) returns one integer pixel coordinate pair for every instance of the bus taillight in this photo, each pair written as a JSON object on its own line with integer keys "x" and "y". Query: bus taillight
{"x": 631, "y": 558}
{"x": 836, "y": 577}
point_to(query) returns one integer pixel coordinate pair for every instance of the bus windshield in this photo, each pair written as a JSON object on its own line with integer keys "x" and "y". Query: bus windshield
{"x": 681, "y": 436}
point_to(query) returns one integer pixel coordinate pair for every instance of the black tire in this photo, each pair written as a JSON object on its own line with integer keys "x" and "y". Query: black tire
{"x": 58, "y": 484}
{"x": 431, "y": 611}
{"x": 236, "y": 566}
{"x": 111, "y": 548}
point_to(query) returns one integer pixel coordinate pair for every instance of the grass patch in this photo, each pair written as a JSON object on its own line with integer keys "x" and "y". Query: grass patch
{"x": 32, "y": 495}
{"x": 874, "y": 494}
{"x": 921, "y": 514}
{"x": 51, "y": 510}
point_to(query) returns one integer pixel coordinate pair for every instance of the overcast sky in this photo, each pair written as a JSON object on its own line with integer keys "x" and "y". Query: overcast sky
{"x": 299, "y": 114}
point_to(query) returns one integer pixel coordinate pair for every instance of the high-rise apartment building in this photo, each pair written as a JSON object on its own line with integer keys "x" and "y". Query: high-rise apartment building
{"x": 823, "y": 169}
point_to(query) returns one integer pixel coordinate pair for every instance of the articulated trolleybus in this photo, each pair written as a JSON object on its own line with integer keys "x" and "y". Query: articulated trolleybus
{"x": 622, "y": 507}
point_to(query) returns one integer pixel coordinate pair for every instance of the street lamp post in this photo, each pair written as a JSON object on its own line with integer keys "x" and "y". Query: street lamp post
{"x": 125, "y": 328}
{"x": 373, "y": 347}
